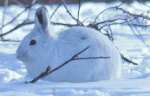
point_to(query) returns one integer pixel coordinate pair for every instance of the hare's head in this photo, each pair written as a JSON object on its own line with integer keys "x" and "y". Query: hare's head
{"x": 32, "y": 46}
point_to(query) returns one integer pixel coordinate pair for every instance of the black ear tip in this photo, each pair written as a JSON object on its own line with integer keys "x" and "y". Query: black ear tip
{"x": 41, "y": 9}
{"x": 40, "y": 13}
{"x": 40, "y": 17}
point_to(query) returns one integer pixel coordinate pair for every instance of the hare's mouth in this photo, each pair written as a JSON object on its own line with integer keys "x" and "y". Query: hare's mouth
{"x": 22, "y": 57}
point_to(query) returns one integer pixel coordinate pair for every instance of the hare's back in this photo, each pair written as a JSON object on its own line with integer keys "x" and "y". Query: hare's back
{"x": 84, "y": 34}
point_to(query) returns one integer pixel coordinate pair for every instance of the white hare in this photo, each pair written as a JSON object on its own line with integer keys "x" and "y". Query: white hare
{"x": 40, "y": 49}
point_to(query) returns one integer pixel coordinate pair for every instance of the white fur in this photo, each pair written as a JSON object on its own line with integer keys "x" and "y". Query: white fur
{"x": 50, "y": 51}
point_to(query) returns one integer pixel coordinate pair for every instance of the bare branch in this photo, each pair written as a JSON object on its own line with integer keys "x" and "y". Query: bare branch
{"x": 49, "y": 71}
{"x": 3, "y": 16}
{"x": 15, "y": 28}
{"x": 10, "y": 40}
{"x": 137, "y": 34}
{"x": 66, "y": 8}
{"x": 132, "y": 14}
{"x": 55, "y": 11}
{"x": 128, "y": 60}
{"x": 88, "y": 58}
{"x": 79, "y": 7}
{"x": 109, "y": 8}
{"x": 63, "y": 24}
{"x": 17, "y": 16}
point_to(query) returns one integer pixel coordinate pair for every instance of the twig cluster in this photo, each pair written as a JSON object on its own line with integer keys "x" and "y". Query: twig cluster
{"x": 14, "y": 19}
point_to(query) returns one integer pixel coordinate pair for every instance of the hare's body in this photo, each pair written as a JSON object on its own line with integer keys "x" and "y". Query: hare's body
{"x": 54, "y": 51}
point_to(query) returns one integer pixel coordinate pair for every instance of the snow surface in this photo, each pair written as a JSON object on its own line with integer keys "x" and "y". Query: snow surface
{"x": 136, "y": 78}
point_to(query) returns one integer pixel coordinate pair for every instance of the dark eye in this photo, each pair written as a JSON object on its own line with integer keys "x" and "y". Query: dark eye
{"x": 32, "y": 42}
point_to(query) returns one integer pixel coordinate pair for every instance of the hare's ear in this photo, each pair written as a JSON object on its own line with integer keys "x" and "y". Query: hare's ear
{"x": 42, "y": 18}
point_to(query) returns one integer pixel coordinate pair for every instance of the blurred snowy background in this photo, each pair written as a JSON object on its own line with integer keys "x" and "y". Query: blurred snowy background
{"x": 127, "y": 23}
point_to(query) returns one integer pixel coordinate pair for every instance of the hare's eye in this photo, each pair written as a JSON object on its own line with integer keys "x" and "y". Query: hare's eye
{"x": 32, "y": 42}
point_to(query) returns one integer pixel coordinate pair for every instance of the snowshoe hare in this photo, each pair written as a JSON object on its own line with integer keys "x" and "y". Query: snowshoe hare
{"x": 40, "y": 49}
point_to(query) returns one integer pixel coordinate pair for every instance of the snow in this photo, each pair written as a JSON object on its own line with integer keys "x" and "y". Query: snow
{"x": 135, "y": 81}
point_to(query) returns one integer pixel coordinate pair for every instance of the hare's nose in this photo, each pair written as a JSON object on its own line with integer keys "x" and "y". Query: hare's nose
{"x": 20, "y": 55}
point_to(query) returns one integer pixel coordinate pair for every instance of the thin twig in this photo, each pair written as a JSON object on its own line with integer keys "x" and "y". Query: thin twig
{"x": 3, "y": 16}
{"x": 75, "y": 57}
{"x": 128, "y": 60}
{"x": 19, "y": 14}
{"x": 16, "y": 27}
{"x": 70, "y": 14}
{"x": 138, "y": 35}
{"x": 79, "y": 7}
{"x": 66, "y": 8}
{"x": 132, "y": 14}
{"x": 10, "y": 40}
{"x": 88, "y": 58}
{"x": 63, "y": 24}
{"x": 55, "y": 11}
{"x": 29, "y": 11}
{"x": 109, "y": 8}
